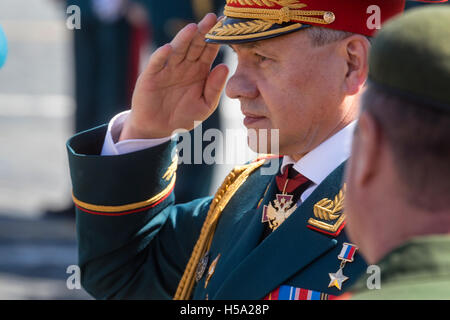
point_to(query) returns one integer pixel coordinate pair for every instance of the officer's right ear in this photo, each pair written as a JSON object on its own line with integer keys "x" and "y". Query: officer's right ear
{"x": 356, "y": 52}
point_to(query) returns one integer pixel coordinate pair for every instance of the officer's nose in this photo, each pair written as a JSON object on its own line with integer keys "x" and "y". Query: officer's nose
{"x": 241, "y": 85}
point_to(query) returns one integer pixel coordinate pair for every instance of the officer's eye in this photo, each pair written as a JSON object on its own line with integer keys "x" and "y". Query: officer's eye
{"x": 261, "y": 58}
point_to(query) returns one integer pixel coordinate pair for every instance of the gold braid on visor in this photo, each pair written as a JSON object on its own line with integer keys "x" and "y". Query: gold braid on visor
{"x": 261, "y": 19}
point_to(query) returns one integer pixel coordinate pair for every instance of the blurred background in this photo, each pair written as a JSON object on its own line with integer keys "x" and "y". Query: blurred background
{"x": 58, "y": 81}
{"x": 36, "y": 111}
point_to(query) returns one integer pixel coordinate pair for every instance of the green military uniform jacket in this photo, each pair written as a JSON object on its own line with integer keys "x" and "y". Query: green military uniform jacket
{"x": 134, "y": 243}
{"x": 419, "y": 270}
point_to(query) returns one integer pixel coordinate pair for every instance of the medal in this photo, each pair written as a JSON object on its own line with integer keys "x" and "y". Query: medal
{"x": 346, "y": 255}
{"x": 211, "y": 270}
{"x": 201, "y": 267}
{"x": 282, "y": 208}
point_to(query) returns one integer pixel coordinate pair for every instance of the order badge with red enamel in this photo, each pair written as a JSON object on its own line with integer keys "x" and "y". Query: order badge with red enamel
{"x": 282, "y": 207}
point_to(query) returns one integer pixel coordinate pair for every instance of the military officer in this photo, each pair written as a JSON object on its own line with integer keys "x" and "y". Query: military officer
{"x": 301, "y": 68}
{"x": 397, "y": 206}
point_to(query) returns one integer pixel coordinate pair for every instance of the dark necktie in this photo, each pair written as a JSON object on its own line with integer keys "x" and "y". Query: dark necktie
{"x": 290, "y": 181}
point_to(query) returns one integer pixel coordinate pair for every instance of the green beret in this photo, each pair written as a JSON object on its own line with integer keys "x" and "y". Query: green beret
{"x": 410, "y": 56}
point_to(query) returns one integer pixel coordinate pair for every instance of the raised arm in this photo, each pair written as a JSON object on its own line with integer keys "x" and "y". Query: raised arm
{"x": 177, "y": 87}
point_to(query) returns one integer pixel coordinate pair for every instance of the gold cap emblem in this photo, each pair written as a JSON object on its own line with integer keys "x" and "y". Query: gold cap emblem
{"x": 329, "y": 17}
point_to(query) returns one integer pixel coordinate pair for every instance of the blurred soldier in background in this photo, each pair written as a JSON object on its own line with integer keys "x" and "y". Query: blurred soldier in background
{"x": 105, "y": 67}
{"x": 101, "y": 62}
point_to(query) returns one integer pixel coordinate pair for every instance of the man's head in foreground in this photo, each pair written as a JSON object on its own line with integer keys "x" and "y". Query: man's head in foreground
{"x": 301, "y": 64}
{"x": 398, "y": 177}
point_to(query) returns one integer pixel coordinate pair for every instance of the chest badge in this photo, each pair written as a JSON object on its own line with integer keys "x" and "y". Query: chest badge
{"x": 211, "y": 270}
{"x": 329, "y": 217}
{"x": 280, "y": 210}
{"x": 201, "y": 267}
{"x": 346, "y": 255}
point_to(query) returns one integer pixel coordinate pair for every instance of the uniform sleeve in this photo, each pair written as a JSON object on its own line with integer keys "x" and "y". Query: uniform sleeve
{"x": 111, "y": 148}
{"x": 134, "y": 243}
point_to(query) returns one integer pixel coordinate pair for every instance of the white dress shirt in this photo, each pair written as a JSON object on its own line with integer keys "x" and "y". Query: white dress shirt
{"x": 316, "y": 165}
{"x": 113, "y": 148}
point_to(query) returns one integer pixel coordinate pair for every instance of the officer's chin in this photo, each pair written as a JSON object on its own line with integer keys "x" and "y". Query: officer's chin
{"x": 263, "y": 141}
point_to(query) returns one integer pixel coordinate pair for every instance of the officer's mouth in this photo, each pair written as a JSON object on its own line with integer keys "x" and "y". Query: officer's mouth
{"x": 252, "y": 120}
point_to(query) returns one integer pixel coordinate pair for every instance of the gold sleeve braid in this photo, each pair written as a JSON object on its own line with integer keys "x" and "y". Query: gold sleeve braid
{"x": 231, "y": 184}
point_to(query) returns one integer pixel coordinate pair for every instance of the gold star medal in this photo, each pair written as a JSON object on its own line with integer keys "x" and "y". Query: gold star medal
{"x": 346, "y": 255}
{"x": 337, "y": 279}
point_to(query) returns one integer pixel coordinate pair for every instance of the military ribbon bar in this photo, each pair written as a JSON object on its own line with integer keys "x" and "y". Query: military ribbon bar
{"x": 285, "y": 292}
{"x": 348, "y": 252}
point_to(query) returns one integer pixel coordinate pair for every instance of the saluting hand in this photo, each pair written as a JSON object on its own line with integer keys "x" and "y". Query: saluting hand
{"x": 177, "y": 87}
